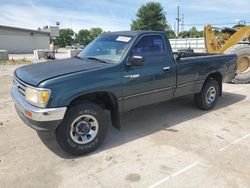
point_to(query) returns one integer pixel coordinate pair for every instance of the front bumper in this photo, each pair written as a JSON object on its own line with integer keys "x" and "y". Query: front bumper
{"x": 40, "y": 119}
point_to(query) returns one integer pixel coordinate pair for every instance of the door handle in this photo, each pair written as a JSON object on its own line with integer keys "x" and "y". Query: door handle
{"x": 166, "y": 68}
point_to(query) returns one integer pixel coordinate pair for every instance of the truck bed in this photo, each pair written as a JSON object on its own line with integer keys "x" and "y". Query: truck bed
{"x": 193, "y": 69}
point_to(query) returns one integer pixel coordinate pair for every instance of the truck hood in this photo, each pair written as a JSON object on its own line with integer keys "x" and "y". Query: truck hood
{"x": 36, "y": 73}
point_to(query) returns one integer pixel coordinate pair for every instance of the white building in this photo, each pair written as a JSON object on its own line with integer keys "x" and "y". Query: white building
{"x": 20, "y": 40}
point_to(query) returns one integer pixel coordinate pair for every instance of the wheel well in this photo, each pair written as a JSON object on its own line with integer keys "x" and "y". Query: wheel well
{"x": 218, "y": 77}
{"x": 106, "y": 100}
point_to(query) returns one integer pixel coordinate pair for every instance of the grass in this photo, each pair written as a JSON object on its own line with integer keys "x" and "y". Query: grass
{"x": 16, "y": 61}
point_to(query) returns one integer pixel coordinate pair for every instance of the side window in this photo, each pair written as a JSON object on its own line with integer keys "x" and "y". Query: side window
{"x": 149, "y": 44}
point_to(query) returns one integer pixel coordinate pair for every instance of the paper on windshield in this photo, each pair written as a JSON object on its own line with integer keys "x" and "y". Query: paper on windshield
{"x": 123, "y": 39}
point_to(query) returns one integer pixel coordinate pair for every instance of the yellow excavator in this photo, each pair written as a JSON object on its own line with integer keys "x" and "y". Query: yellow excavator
{"x": 231, "y": 41}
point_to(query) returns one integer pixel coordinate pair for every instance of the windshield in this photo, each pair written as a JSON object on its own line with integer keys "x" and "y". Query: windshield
{"x": 109, "y": 48}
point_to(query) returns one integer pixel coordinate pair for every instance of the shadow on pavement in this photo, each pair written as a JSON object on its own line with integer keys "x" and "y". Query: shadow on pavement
{"x": 148, "y": 120}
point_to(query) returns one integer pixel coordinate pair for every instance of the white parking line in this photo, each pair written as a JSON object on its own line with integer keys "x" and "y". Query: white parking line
{"x": 233, "y": 90}
{"x": 173, "y": 175}
{"x": 234, "y": 142}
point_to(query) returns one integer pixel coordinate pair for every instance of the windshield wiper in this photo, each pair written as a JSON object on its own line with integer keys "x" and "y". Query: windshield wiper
{"x": 78, "y": 57}
{"x": 94, "y": 58}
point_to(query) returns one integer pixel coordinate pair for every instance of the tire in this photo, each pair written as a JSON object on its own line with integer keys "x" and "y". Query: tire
{"x": 83, "y": 129}
{"x": 205, "y": 101}
{"x": 243, "y": 55}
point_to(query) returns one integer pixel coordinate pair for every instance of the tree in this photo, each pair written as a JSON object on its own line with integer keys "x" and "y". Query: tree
{"x": 191, "y": 33}
{"x": 150, "y": 17}
{"x": 195, "y": 33}
{"x": 65, "y": 38}
{"x": 85, "y": 36}
{"x": 169, "y": 32}
{"x": 94, "y": 32}
{"x": 184, "y": 34}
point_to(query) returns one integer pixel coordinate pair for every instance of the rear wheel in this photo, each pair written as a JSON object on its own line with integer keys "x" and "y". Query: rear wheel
{"x": 243, "y": 62}
{"x": 83, "y": 129}
{"x": 208, "y": 96}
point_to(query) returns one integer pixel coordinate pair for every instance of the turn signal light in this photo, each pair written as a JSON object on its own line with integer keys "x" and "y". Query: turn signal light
{"x": 45, "y": 96}
{"x": 28, "y": 113}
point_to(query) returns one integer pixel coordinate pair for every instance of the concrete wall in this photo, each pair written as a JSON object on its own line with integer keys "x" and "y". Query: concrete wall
{"x": 4, "y": 56}
{"x": 17, "y": 41}
{"x": 195, "y": 43}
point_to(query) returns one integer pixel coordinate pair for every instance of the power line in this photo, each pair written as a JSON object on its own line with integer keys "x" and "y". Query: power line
{"x": 201, "y": 24}
{"x": 209, "y": 23}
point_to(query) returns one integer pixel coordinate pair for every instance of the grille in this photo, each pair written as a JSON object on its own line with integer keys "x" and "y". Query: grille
{"x": 19, "y": 85}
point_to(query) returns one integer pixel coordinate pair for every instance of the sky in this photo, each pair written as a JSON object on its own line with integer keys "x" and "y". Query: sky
{"x": 114, "y": 15}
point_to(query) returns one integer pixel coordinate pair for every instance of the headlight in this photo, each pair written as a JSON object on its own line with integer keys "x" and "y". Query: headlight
{"x": 38, "y": 97}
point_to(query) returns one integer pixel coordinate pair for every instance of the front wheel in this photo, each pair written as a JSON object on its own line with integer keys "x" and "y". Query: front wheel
{"x": 208, "y": 96}
{"x": 83, "y": 129}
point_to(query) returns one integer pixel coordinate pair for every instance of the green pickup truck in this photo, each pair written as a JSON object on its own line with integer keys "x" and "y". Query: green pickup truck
{"x": 118, "y": 71}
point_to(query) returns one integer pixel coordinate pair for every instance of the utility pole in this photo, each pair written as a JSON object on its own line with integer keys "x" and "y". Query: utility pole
{"x": 178, "y": 21}
{"x": 182, "y": 22}
{"x": 174, "y": 27}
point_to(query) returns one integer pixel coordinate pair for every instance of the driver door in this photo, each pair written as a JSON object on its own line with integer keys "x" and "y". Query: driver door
{"x": 154, "y": 81}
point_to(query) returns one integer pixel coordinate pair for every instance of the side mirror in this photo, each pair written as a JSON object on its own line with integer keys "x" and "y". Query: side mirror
{"x": 176, "y": 57}
{"x": 135, "y": 61}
